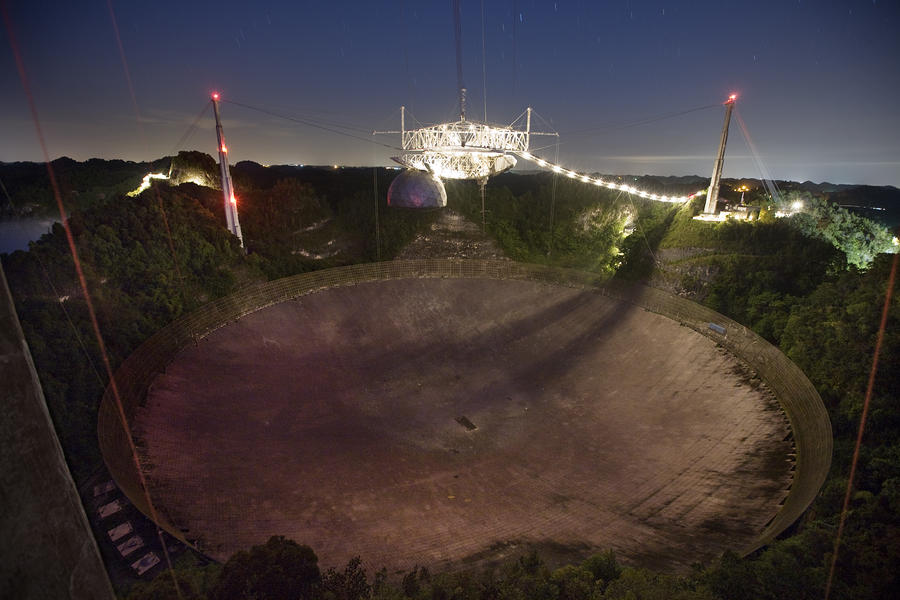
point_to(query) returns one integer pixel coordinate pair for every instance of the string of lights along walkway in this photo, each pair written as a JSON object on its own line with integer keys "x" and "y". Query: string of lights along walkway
{"x": 607, "y": 184}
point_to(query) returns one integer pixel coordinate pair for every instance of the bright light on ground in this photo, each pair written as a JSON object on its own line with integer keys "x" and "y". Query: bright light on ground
{"x": 145, "y": 183}
{"x": 796, "y": 207}
{"x": 716, "y": 218}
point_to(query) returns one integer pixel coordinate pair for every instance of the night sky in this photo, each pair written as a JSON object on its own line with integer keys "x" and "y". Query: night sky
{"x": 818, "y": 82}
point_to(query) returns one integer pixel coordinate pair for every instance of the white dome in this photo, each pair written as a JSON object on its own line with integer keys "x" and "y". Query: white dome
{"x": 417, "y": 189}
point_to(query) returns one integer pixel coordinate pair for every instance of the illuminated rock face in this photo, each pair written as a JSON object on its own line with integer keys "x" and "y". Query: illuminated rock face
{"x": 417, "y": 189}
{"x": 194, "y": 176}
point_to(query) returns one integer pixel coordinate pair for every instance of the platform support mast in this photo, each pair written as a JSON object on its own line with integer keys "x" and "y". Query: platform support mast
{"x": 712, "y": 195}
{"x": 231, "y": 213}
{"x": 528, "y": 129}
{"x": 457, "y": 23}
{"x": 402, "y": 127}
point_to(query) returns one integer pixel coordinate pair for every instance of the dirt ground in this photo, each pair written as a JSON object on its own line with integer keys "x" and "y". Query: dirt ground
{"x": 452, "y": 236}
{"x": 444, "y": 422}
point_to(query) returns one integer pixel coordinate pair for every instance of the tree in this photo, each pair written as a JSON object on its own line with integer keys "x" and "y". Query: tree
{"x": 861, "y": 239}
{"x": 350, "y": 584}
{"x": 603, "y": 567}
{"x": 574, "y": 583}
{"x": 643, "y": 584}
{"x": 281, "y": 569}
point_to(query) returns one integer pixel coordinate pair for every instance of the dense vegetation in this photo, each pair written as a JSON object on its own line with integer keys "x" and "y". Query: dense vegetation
{"x": 859, "y": 238}
{"x": 139, "y": 278}
{"x": 297, "y": 219}
{"x": 82, "y": 184}
{"x": 548, "y": 219}
{"x": 798, "y": 282}
{"x": 284, "y": 570}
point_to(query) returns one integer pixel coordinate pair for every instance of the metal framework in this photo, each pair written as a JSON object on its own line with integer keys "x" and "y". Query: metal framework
{"x": 472, "y": 150}
{"x": 462, "y": 149}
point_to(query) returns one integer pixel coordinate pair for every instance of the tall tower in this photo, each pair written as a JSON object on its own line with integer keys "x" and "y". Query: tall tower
{"x": 712, "y": 196}
{"x": 231, "y": 213}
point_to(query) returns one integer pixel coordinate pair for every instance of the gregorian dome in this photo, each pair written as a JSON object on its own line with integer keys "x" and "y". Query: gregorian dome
{"x": 417, "y": 189}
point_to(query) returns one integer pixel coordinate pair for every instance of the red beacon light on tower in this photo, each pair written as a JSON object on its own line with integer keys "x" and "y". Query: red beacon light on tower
{"x": 231, "y": 213}
{"x": 731, "y": 99}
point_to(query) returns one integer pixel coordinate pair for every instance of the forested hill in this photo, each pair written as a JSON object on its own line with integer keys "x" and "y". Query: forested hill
{"x": 95, "y": 181}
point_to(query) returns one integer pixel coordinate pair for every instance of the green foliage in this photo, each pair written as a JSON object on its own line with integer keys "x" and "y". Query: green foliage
{"x": 194, "y": 579}
{"x": 642, "y": 584}
{"x": 831, "y": 335}
{"x": 580, "y": 229}
{"x": 603, "y": 567}
{"x": 760, "y": 286}
{"x": 281, "y": 569}
{"x": 302, "y": 219}
{"x": 785, "y": 570}
{"x": 651, "y": 222}
{"x": 859, "y": 238}
{"x": 349, "y": 584}
{"x": 573, "y": 583}
{"x": 274, "y": 221}
{"x": 83, "y": 185}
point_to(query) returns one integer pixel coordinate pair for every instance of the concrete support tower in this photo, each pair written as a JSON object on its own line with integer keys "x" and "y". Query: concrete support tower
{"x": 712, "y": 195}
{"x": 231, "y": 213}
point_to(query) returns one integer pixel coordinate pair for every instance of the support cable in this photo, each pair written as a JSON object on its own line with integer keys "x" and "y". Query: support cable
{"x": 457, "y": 29}
{"x": 190, "y": 130}
{"x": 656, "y": 261}
{"x": 546, "y": 124}
{"x": 483, "y": 64}
{"x": 553, "y": 202}
{"x": 615, "y": 127}
{"x": 377, "y": 208}
{"x": 643, "y": 121}
{"x": 515, "y": 50}
{"x": 769, "y": 183}
{"x": 309, "y": 123}
{"x": 482, "y": 183}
